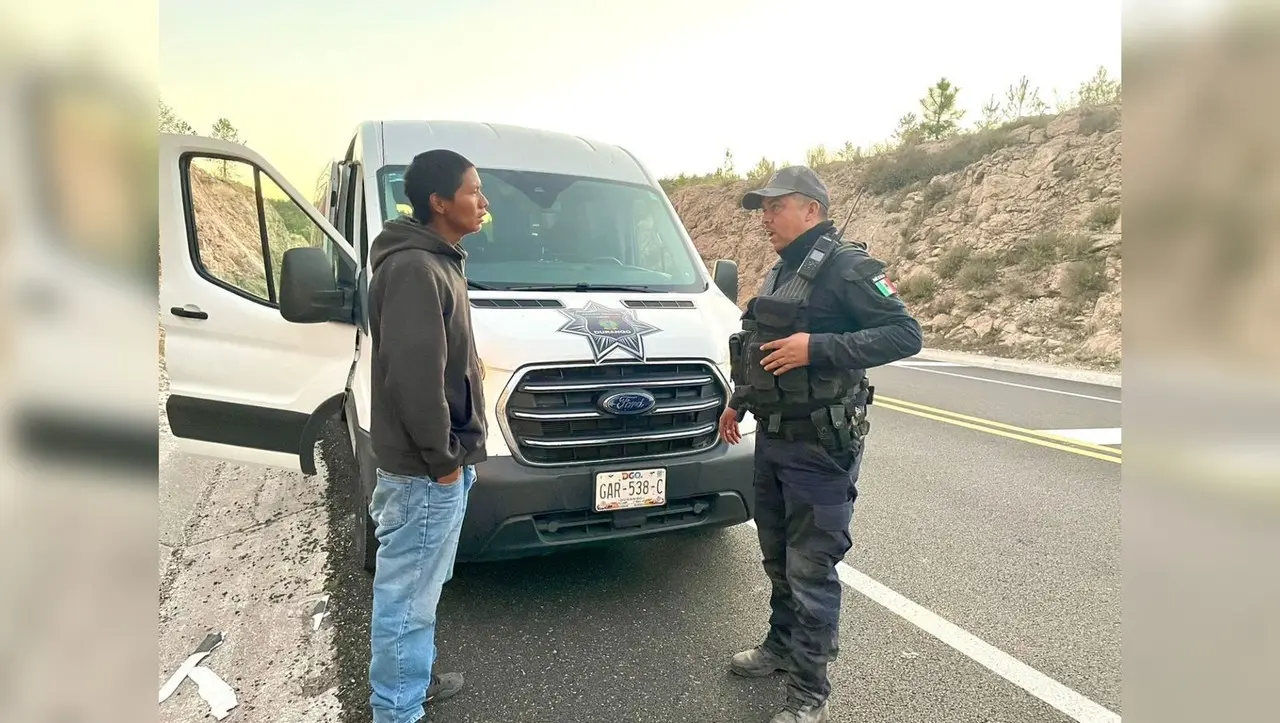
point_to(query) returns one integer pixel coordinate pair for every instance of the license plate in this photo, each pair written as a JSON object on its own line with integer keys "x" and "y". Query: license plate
{"x": 630, "y": 489}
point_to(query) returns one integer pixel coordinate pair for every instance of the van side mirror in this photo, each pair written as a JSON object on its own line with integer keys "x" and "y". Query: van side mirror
{"x": 309, "y": 291}
{"x": 725, "y": 274}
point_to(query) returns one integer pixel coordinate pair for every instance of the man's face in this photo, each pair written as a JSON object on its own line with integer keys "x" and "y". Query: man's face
{"x": 786, "y": 217}
{"x": 465, "y": 213}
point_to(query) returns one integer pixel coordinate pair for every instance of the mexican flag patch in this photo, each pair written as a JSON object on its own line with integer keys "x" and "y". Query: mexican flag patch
{"x": 884, "y": 285}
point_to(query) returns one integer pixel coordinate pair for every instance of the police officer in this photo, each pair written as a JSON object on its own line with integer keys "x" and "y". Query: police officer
{"x": 825, "y": 313}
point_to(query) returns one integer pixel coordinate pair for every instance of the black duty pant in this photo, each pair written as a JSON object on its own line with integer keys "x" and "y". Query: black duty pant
{"x": 804, "y": 504}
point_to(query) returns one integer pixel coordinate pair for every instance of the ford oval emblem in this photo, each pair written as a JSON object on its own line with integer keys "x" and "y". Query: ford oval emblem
{"x": 627, "y": 402}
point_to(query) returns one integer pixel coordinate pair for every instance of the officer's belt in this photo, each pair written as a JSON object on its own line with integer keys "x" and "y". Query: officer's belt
{"x": 797, "y": 428}
{"x": 853, "y": 408}
{"x": 794, "y": 430}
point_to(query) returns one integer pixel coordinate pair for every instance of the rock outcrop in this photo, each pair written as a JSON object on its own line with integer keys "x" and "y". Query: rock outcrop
{"x": 1004, "y": 241}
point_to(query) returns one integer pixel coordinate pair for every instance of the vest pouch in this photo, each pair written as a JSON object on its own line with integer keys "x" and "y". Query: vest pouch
{"x": 737, "y": 362}
{"x": 794, "y": 386}
{"x": 760, "y": 379}
{"x": 777, "y": 318}
{"x": 778, "y": 315}
{"x": 825, "y": 385}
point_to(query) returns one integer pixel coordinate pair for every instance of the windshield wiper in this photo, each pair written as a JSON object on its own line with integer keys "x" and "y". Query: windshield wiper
{"x": 581, "y": 287}
{"x": 480, "y": 287}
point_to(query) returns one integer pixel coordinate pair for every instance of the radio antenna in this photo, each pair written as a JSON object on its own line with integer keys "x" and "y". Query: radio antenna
{"x": 853, "y": 207}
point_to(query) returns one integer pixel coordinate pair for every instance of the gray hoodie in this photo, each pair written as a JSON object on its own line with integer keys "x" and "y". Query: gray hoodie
{"x": 428, "y": 403}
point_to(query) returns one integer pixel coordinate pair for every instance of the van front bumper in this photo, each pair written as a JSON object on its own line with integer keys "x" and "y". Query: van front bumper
{"x": 517, "y": 511}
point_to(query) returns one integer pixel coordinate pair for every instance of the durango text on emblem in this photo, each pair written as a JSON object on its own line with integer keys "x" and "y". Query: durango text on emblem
{"x": 627, "y": 401}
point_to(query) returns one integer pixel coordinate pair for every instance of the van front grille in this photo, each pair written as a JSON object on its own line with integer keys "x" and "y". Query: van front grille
{"x": 553, "y": 417}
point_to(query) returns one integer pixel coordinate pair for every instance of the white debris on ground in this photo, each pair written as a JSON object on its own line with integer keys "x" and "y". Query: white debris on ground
{"x": 213, "y": 689}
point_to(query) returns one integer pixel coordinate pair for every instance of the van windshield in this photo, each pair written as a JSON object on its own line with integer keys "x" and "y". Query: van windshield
{"x": 549, "y": 230}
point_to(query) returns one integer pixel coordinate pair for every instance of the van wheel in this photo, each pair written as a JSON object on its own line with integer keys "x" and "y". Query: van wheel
{"x": 367, "y": 544}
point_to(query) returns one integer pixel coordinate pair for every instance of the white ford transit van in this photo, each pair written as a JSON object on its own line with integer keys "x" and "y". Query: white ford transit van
{"x": 603, "y": 336}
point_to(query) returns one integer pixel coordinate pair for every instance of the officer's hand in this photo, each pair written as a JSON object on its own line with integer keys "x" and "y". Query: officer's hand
{"x": 788, "y": 354}
{"x": 729, "y": 427}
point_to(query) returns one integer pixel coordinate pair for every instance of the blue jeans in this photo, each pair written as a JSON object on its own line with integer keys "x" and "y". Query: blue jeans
{"x": 418, "y": 522}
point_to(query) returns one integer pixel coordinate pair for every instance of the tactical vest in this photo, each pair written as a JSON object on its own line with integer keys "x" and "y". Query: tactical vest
{"x": 826, "y": 405}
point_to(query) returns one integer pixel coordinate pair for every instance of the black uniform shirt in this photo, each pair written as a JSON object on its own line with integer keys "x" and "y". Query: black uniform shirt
{"x": 853, "y": 323}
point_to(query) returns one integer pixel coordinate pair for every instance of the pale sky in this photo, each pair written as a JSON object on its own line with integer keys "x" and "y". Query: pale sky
{"x": 675, "y": 81}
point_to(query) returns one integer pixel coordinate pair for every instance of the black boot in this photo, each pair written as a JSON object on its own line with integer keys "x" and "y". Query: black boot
{"x": 795, "y": 712}
{"x": 757, "y": 662}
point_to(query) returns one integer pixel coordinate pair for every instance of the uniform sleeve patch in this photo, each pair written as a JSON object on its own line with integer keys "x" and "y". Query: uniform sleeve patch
{"x": 884, "y": 285}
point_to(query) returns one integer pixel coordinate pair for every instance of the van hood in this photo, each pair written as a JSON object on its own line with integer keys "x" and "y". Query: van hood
{"x": 514, "y": 329}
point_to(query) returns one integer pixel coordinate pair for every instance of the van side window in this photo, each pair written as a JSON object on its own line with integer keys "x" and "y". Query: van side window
{"x": 322, "y": 206}
{"x": 242, "y": 223}
{"x": 292, "y": 230}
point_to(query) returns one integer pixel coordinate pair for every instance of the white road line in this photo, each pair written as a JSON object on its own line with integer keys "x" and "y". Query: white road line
{"x": 1097, "y": 435}
{"x": 924, "y": 364}
{"x": 1001, "y": 663}
{"x": 1012, "y": 384}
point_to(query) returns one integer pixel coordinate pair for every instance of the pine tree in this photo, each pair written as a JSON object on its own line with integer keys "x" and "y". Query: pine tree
{"x": 171, "y": 123}
{"x": 222, "y": 129}
{"x": 991, "y": 115}
{"x": 1023, "y": 100}
{"x": 1099, "y": 90}
{"x": 941, "y": 114}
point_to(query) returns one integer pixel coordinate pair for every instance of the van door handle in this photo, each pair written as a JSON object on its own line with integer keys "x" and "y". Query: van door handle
{"x": 189, "y": 313}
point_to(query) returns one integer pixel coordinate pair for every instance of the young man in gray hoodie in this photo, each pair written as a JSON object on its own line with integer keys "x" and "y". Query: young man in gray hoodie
{"x": 428, "y": 425}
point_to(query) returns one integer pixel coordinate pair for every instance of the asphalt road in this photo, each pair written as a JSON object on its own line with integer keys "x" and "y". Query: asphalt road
{"x": 984, "y": 584}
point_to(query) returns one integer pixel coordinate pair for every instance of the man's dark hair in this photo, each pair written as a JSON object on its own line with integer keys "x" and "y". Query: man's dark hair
{"x": 437, "y": 171}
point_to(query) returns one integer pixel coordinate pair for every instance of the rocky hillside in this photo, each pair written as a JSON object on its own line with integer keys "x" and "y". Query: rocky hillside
{"x": 1004, "y": 241}
{"x": 226, "y": 216}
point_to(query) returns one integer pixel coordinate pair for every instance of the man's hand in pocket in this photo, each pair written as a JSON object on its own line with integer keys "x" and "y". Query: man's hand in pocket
{"x": 452, "y": 477}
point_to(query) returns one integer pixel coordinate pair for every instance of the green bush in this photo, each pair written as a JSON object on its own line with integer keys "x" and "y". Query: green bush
{"x": 951, "y": 260}
{"x": 817, "y": 157}
{"x": 1048, "y": 248}
{"x": 979, "y": 271}
{"x": 1104, "y": 217}
{"x": 1041, "y": 121}
{"x": 911, "y": 164}
{"x": 918, "y": 287}
{"x": 1078, "y": 246}
{"x": 1085, "y": 280}
{"x": 1098, "y": 120}
{"x": 1038, "y": 252}
{"x": 1017, "y": 289}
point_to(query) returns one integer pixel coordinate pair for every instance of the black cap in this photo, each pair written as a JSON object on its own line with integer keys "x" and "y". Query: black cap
{"x": 792, "y": 179}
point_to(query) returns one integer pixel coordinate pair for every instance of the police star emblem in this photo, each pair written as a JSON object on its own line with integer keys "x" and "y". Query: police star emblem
{"x": 608, "y": 329}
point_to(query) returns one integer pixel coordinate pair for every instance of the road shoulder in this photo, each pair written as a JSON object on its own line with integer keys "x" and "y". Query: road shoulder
{"x": 1049, "y": 371}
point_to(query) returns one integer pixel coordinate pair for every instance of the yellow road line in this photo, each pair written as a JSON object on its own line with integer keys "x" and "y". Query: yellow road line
{"x": 881, "y": 402}
{"x": 1000, "y": 425}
